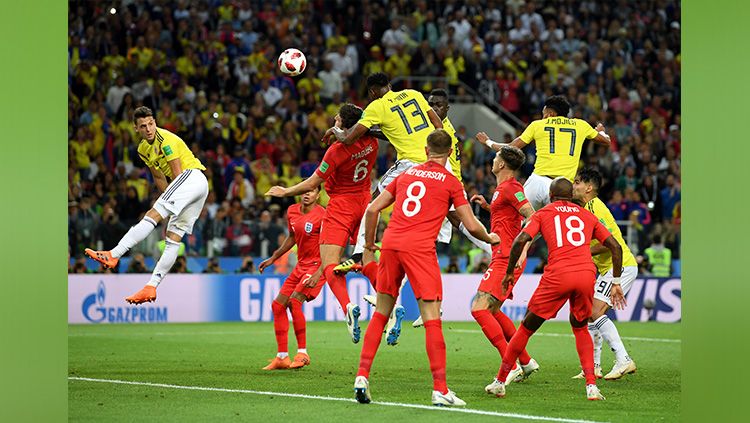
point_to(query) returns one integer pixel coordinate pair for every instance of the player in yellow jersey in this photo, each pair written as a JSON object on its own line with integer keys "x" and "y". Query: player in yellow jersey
{"x": 405, "y": 119}
{"x": 559, "y": 141}
{"x": 585, "y": 190}
{"x": 182, "y": 199}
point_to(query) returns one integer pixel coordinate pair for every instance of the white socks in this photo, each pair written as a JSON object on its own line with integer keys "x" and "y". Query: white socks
{"x": 301, "y": 351}
{"x": 487, "y": 248}
{"x": 360, "y": 247}
{"x": 608, "y": 330}
{"x": 136, "y": 234}
{"x": 282, "y": 355}
{"x": 597, "y": 337}
{"x": 165, "y": 263}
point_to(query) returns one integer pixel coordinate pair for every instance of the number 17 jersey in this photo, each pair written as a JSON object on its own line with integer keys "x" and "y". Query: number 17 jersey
{"x": 346, "y": 168}
{"x": 402, "y": 116}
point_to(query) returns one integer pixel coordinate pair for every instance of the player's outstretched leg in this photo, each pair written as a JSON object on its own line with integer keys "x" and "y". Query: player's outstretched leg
{"x": 337, "y": 283}
{"x": 585, "y": 348}
{"x": 373, "y": 337}
{"x": 165, "y": 263}
{"x": 597, "y": 339}
{"x": 300, "y": 332}
{"x": 281, "y": 329}
{"x": 623, "y": 363}
{"x": 517, "y": 344}
{"x": 135, "y": 234}
{"x": 528, "y": 364}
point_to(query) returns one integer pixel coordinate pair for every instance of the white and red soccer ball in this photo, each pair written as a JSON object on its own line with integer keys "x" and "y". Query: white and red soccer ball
{"x": 292, "y": 62}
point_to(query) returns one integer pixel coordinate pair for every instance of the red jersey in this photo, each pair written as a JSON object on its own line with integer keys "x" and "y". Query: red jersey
{"x": 505, "y": 214}
{"x": 346, "y": 168}
{"x": 423, "y": 195}
{"x": 568, "y": 229}
{"x": 306, "y": 231}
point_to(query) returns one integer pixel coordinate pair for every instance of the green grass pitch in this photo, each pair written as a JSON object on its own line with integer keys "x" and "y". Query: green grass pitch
{"x": 230, "y": 356}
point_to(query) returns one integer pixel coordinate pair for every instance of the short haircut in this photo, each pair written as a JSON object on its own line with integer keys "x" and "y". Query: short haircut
{"x": 350, "y": 115}
{"x": 559, "y": 104}
{"x": 656, "y": 239}
{"x": 512, "y": 156}
{"x": 142, "y": 112}
{"x": 439, "y": 141}
{"x": 439, "y": 92}
{"x": 377, "y": 80}
{"x": 591, "y": 176}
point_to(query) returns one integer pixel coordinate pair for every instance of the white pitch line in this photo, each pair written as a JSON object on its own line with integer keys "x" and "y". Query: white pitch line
{"x": 324, "y": 398}
{"x": 565, "y": 335}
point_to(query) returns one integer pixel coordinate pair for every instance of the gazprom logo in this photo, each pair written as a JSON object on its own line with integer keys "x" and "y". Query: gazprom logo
{"x": 95, "y": 311}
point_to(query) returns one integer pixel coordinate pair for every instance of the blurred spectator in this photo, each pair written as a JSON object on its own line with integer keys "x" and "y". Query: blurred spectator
{"x": 660, "y": 258}
{"x": 137, "y": 264}
{"x": 213, "y": 266}
{"x": 238, "y": 236}
{"x": 241, "y": 188}
{"x": 248, "y": 266}
{"x": 180, "y": 265}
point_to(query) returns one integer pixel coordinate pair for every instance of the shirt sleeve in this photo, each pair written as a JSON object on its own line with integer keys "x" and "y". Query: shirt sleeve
{"x": 372, "y": 114}
{"x": 528, "y": 134}
{"x": 588, "y": 131}
{"x": 601, "y": 232}
{"x": 169, "y": 148}
{"x": 515, "y": 196}
{"x": 328, "y": 164}
{"x": 458, "y": 195}
{"x": 534, "y": 225}
{"x": 392, "y": 186}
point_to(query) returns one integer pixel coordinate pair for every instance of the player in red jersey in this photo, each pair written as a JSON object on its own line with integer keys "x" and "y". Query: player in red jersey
{"x": 569, "y": 276}
{"x": 508, "y": 208}
{"x": 423, "y": 196}
{"x": 345, "y": 170}
{"x": 304, "y": 222}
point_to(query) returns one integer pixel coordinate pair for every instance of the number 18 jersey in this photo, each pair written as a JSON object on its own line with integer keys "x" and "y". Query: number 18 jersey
{"x": 346, "y": 168}
{"x": 423, "y": 196}
{"x": 567, "y": 229}
{"x": 402, "y": 116}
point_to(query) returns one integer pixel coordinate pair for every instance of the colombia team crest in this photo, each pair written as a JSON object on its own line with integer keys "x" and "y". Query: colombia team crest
{"x": 308, "y": 227}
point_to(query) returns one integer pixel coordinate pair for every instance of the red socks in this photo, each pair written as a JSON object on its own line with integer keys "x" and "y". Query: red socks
{"x": 337, "y": 283}
{"x": 491, "y": 329}
{"x": 370, "y": 271}
{"x": 516, "y": 345}
{"x": 281, "y": 326}
{"x": 585, "y": 347}
{"x": 373, "y": 336}
{"x": 509, "y": 329}
{"x": 298, "y": 320}
{"x": 435, "y": 344}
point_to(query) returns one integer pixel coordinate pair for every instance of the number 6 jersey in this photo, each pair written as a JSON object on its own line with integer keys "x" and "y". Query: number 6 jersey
{"x": 346, "y": 168}
{"x": 567, "y": 229}
{"x": 423, "y": 196}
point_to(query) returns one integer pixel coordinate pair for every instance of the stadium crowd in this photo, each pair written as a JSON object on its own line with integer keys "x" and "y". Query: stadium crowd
{"x": 208, "y": 70}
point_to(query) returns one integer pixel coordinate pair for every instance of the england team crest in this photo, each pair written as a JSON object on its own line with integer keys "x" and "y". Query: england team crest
{"x": 308, "y": 227}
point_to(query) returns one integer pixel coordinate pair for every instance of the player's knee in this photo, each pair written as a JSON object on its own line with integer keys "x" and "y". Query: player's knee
{"x": 278, "y": 307}
{"x": 578, "y": 323}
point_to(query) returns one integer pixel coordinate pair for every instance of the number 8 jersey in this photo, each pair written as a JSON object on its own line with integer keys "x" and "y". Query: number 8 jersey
{"x": 424, "y": 195}
{"x": 567, "y": 229}
{"x": 346, "y": 168}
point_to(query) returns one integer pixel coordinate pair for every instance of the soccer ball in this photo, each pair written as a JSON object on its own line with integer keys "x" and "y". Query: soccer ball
{"x": 292, "y": 62}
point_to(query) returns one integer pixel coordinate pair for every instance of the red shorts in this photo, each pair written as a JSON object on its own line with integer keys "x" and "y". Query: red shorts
{"x": 295, "y": 282}
{"x": 343, "y": 216}
{"x": 422, "y": 268}
{"x": 492, "y": 280}
{"x": 555, "y": 289}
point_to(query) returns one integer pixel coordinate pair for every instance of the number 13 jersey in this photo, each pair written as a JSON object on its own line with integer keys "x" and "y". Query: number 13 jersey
{"x": 346, "y": 168}
{"x": 402, "y": 116}
{"x": 424, "y": 195}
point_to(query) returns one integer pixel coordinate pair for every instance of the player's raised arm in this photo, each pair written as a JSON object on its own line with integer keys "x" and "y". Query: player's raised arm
{"x": 159, "y": 179}
{"x": 484, "y": 139}
{"x": 435, "y": 119}
{"x": 384, "y": 200}
{"x": 175, "y": 166}
{"x": 474, "y": 226}
{"x": 308, "y": 184}
{"x": 601, "y": 137}
{"x": 283, "y": 248}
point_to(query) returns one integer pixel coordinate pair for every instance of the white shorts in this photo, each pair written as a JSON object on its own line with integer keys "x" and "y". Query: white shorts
{"x": 398, "y": 168}
{"x": 446, "y": 231}
{"x": 536, "y": 189}
{"x": 183, "y": 201}
{"x": 604, "y": 283}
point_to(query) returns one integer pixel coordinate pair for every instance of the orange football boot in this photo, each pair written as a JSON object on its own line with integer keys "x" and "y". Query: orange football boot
{"x": 147, "y": 294}
{"x": 300, "y": 360}
{"x": 279, "y": 363}
{"x": 103, "y": 257}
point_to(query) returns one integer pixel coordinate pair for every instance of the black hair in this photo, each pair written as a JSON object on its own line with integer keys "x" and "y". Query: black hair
{"x": 377, "y": 80}
{"x": 142, "y": 112}
{"x": 512, "y": 156}
{"x": 591, "y": 176}
{"x": 559, "y": 104}
{"x": 439, "y": 92}
{"x": 657, "y": 239}
{"x": 350, "y": 115}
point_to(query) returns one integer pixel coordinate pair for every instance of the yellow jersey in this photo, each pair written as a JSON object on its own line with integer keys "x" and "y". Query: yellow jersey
{"x": 603, "y": 261}
{"x": 165, "y": 148}
{"x": 402, "y": 116}
{"x": 559, "y": 141}
{"x": 454, "y": 160}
